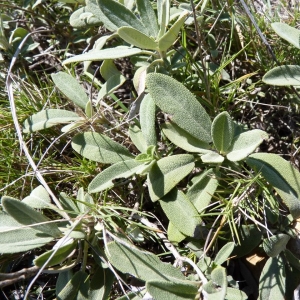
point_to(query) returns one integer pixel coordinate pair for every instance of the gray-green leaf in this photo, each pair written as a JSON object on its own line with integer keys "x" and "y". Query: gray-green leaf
{"x": 224, "y": 253}
{"x": 183, "y": 139}
{"x": 48, "y": 118}
{"x": 222, "y": 131}
{"x": 281, "y": 175}
{"x": 137, "y": 38}
{"x": 184, "y": 109}
{"x": 98, "y": 147}
{"x": 26, "y": 215}
{"x": 38, "y": 198}
{"x": 122, "y": 169}
{"x": 70, "y": 87}
{"x": 147, "y": 120}
{"x": 167, "y": 172}
{"x": 140, "y": 264}
{"x": 275, "y": 244}
{"x": 245, "y": 144}
{"x": 272, "y": 280}
{"x": 283, "y": 75}
{"x": 290, "y": 34}
{"x": 181, "y": 212}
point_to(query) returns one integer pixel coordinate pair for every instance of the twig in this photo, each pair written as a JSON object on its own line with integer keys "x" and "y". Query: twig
{"x": 23, "y": 146}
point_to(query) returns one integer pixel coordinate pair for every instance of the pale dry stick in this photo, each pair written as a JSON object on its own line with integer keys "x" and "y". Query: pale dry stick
{"x": 60, "y": 242}
{"x": 23, "y": 146}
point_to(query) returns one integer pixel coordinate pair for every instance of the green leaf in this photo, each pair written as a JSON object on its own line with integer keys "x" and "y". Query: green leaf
{"x": 137, "y": 137}
{"x": 272, "y": 280}
{"x": 61, "y": 254}
{"x": 202, "y": 190}
{"x": 175, "y": 290}
{"x": 121, "y": 16}
{"x": 163, "y": 15}
{"x": 281, "y": 175}
{"x": 283, "y": 75}
{"x": 75, "y": 288}
{"x": 216, "y": 288}
{"x": 222, "y": 131}
{"x": 108, "y": 69}
{"x": 122, "y": 169}
{"x": 183, "y": 139}
{"x": 83, "y": 17}
{"x": 181, "y": 212}
{"x": 167, "y": 40}
{"x": 140, "y": 264}
{"x": 68, "y": 204}
{"x": 108, "y": 53}
{"x": 174, "y": 235}
{"x": 148, "y": 16}
{"x": 26, "y": 215}
{"x": 49, "y": 118}
{"x": 290, "y": 34}
{"x": 101, "y": 284}
{"x": 14, "y": 237}
{"x": 147, "y": 120}
{"x": 184, "y": 109}
{"x": 245, "y": 144}
{"x": 224, "y": 253}
{"x": 111, "y": 85}
{"x": 275, "y": 244}
{"x": 167, "y": 172}
{"x": 212, "y": 157}
{"x": 235, "y": 294}
{"x": 38, "y": 198}
{"x": 98, "y": 147}
{"x": 71, "y": 88}
{"x": 137, "y": 38}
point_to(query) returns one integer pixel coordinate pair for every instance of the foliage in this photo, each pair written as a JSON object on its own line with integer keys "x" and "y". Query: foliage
{"x": 177, "y": 151}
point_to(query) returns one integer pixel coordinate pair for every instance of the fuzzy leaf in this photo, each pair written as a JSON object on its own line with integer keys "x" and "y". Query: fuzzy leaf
{"x": 163, "y": 15}
{"x": 290, "y": 34}
{"x": 245, "y": 144}
{"x": 167, "y": 172}
{"x": 98, "y": 147}
{"x": 167, "y": 40}
{"x": 14, "y": 237}
{"x": 122, "y": 169}
{"x": 174, "y": 235}
{"x": 140, "y": 264}
{"x": 282, "y": 176}
{"x": 137, "y": 38}
{"x": 108, "y": 69}
{"x": 121, "y": 16}
{"x": 76, "y": 288}
{"x": 147, "y": 120}
{"x": 26, "y": 215}
{"x": 283, "y": 75}
{"x": 38, "y": 198}
{"x": 212, "y": 157}
{"x": 235, "y": 294}
{"x": 202, "y": 190}
{"x": 70, "y": 87}
{"x": 216, "y": 288}
{"x": 137, "y": 137}
{"x": 275, "y": 244}
{"x": 175, "y": 290}
{"x": 48, "y": 118}
{"x": 183, "y": 139}
{"x": 272, "y": 280}
{"x": 112, "y": 84}
{"x": 224, "y": 253}
{"x": 148, "y": 16}
{"x": 60, "y": 255}
{"x": 222, "y": 131}
{"x": 184, "y": 109}
{"x": 82, "y": 17}
{"x": 181, "y": 212}
{"x": 108, "y": 53}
